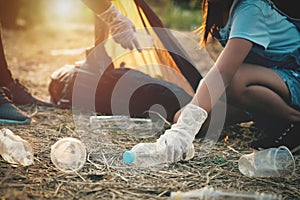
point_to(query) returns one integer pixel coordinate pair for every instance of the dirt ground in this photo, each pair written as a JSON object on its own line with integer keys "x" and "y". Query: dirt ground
{"x": 30, "y": 57}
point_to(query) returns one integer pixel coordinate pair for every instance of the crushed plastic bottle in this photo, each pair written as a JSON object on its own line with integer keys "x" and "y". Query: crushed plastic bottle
{"x": 207, "y": 193}
{"x": 150, "y": 154}
{"x": 183, "y": 132}
{"x": 68, "y": 154}
{"x": 14, "y": 149}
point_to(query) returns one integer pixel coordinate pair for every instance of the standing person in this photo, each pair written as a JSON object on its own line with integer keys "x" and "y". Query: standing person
{"x": 259, "y": 69}
{"x": 12, "y": 92}
{"x": 17, "y": 92}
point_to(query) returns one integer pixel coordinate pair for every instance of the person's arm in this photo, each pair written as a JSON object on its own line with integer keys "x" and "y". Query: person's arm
{"x": 179, "y": 139}
{"x": 220, "y": 75}
{"x": 210, "y": 89}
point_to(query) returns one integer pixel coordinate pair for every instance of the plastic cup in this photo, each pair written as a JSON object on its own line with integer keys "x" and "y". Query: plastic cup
{"x": 68, "y": 154}
{"x": 272, "y": 162}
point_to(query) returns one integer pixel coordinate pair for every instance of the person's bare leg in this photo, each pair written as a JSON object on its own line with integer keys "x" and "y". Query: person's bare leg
{"x": 261, "y": 90}
{"x": 263, "y": 93}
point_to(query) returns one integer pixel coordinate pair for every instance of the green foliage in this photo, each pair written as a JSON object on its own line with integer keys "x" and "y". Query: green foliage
{"x": 188, "y": 4}
{"x": 159, "y": 3}
{"x": 177, "y": 15}
{"x": 182, "y": 19}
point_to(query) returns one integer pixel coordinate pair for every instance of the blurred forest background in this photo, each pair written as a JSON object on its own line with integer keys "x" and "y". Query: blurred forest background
{"x": 28, "y": 13}
{"x": 175, "y": 14}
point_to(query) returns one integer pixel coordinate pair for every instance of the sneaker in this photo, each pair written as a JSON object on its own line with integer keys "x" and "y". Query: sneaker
{"x": 9, "y": 113}
{"x": 288, "y": 137}
{"x": 20, "y": 95}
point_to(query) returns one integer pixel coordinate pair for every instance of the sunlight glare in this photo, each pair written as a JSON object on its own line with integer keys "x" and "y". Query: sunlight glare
{"x": 64, "y": 8}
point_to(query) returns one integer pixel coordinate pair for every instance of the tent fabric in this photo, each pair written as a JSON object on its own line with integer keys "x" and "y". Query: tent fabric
{"x": 169, "y": 41}
{"x": 167, "y": 60}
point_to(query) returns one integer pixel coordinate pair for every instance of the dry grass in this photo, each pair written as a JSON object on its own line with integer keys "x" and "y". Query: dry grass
{"x": 28, "y": 53}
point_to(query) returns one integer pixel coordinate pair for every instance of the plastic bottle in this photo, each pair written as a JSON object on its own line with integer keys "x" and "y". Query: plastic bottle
{"x": 211, "y": 194}
{"x": 180, "y": 135}
{"x": 150, "y": 154}
{"x": 109, "y": 122}
{"x": 14, "y": 149}
{"x": 138, "y": 127}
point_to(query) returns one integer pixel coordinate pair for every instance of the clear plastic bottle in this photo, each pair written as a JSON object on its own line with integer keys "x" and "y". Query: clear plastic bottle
{"x": 150, "y": 154}
{"x": 109, "y": 122}
{"x": 14, "y": 149}
{"x": 181, "y": 135}
{"x": 137, "y": 127}
{"x": 211, "y": 194}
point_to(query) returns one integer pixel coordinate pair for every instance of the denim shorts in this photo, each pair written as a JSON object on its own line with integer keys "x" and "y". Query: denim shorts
{"x": 292, "y": 80}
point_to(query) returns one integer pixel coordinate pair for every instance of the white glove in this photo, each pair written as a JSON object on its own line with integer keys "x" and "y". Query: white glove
{"x": 179, "y": 139}
{"x": 121, "y": 28}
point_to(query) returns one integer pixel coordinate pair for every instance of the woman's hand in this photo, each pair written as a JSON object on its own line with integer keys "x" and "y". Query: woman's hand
{"x": 179, "y": 138}
{"x": 121, "y": 28}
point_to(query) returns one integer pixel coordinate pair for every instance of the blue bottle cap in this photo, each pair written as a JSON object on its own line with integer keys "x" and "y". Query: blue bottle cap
{"x": 128, "y": 157}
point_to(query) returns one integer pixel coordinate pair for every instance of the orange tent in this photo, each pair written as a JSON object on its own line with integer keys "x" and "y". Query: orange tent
{"x": 166, "y": 60}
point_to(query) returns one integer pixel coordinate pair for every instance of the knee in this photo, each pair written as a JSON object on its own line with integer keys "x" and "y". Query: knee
{"x": 237, "y": 93}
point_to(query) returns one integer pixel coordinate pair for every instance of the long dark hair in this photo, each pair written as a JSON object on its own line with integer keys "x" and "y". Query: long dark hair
{"x": 215, "y": 14}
